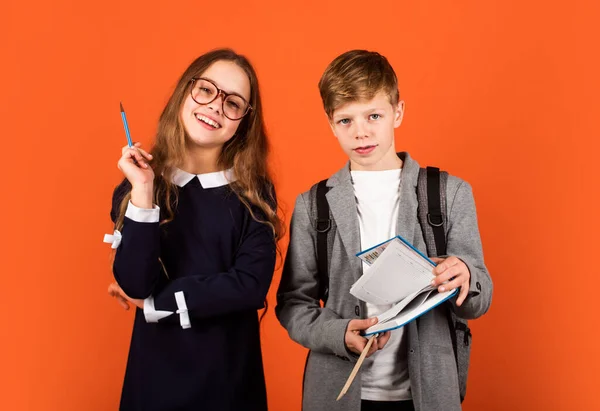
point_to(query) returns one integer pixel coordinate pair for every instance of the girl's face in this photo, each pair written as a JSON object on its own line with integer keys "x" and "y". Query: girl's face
{"x": 205, "y": 124}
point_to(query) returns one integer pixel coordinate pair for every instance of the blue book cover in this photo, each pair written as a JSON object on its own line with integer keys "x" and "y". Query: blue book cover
{"x": 398, "y": 276}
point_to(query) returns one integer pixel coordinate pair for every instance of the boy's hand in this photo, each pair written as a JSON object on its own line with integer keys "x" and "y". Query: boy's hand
{"x": 115, "y": 291}
{"x": 455, "y": 273}
{"x": 356, "y": 342}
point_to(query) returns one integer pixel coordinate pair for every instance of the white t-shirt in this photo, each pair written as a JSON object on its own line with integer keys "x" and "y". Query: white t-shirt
{"x": 377, "y": 193}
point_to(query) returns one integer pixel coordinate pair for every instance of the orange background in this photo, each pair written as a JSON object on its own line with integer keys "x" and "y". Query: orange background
{"x": 501, "y": 93}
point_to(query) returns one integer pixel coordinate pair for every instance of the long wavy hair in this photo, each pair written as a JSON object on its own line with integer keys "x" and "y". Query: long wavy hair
{"x": 246, "y": 152}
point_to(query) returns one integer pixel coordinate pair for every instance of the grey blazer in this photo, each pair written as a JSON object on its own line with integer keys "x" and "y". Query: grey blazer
{"x": 431, "y": 364}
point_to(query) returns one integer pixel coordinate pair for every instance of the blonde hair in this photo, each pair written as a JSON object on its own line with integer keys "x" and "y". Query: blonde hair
{"x": 357, "y": 75}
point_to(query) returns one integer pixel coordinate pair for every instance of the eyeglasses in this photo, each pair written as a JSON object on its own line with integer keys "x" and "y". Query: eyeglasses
{"x": 205, "y": 91}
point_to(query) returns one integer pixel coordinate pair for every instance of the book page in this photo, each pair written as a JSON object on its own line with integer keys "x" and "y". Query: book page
{"x": 411, "y": 311}
{"x": 396, "y": 273}
{"x": 416, "y": 298}
{"x": 369, "y": 256}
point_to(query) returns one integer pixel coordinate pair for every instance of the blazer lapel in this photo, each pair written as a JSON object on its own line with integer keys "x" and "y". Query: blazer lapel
{"x": 407, "y": 212}
{"x": 343, "y": 207}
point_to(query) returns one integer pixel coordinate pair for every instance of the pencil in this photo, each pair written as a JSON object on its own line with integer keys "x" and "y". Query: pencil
{"x": 362, "y": 357}
{"x": 124, "y": 118}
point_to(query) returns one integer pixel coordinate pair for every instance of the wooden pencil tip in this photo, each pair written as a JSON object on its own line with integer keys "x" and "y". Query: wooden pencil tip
{"x": 121, "y": 104}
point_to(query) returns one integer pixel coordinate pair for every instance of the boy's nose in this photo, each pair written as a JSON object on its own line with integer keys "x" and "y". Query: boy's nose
{"x": 360, "y": 131}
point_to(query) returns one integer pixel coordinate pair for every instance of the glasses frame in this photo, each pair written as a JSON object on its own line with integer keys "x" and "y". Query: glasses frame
{"x": 219, "y": 93}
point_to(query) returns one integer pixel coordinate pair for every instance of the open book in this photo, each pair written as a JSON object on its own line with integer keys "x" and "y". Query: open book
{"x": 401, "y": 275}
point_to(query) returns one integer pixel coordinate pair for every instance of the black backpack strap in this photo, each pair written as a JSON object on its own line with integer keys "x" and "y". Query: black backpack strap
{"x": 435, "y": 217}
{"x": 323, "y": 225}
{"x": 432, "y": 210}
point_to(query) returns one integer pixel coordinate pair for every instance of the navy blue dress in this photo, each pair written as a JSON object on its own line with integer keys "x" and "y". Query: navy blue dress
{"x": 223, "y": 261}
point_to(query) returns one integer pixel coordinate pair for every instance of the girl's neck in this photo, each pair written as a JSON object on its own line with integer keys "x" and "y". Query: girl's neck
{"x": 201, "y": 160}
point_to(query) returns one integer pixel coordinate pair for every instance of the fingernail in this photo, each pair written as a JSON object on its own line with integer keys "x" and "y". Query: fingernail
{"x": 373, "y": 320}
{"x": 432, "y": 282}
{"x": 442, "y": 289}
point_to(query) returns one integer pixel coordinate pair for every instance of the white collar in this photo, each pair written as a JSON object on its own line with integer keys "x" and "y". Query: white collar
{"x": 207, "y": 180}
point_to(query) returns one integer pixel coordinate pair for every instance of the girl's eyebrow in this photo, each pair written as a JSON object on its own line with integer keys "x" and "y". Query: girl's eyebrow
{"x": 235, "y": 93}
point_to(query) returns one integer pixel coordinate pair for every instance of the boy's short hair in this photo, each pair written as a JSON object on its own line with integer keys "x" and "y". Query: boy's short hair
{"x": 357, "y": 75}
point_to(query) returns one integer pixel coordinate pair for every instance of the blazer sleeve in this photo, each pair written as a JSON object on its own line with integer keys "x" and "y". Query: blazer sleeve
{"x": 298, "y": 307}
{"x": 464, "y": 242}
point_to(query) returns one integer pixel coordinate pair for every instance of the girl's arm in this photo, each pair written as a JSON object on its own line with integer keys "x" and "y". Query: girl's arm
{"x": 243, "y": 287}
{"x": 136, "y": 266}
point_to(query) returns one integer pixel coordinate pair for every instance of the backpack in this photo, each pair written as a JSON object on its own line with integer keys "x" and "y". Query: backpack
{"x": 431, "y": 194}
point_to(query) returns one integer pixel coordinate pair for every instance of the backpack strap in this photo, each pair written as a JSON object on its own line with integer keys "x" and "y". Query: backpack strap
{"x": 434, "y": 216}
{"x": 431, "y": 194}
{"x": 323, "y": 225}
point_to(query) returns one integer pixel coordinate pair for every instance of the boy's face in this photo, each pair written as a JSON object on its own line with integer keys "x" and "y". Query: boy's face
{"x": 365, "y": 130}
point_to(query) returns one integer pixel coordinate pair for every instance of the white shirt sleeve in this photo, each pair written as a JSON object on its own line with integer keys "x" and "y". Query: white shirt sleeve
{"x": 151, "y": 314}
{"x": 182, "y": 310}
{"x": 143, "y": 215}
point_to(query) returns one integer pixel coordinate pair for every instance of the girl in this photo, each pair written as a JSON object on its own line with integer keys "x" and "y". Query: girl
{"x": 197, "y": 252}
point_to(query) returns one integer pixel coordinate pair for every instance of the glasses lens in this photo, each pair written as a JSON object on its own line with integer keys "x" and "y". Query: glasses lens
{"x": 235, "y": 107}
{"x": 204, "y": 92}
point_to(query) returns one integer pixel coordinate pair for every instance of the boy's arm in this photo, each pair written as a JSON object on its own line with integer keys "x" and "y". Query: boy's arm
{"x": 298, "y": 307}
{"x": 464, "y": 242}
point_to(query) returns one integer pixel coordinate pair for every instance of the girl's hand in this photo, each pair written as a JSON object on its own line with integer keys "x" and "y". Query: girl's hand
{"x": 455, "y": 273}
{"x": 115, "y": 291}
{"x": 134, "y": 165}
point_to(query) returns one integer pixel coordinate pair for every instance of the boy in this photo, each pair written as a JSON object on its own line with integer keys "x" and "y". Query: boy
{"x": 372, "y": 199}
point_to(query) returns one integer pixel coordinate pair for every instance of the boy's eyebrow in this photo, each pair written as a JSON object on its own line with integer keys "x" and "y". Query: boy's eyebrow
{"x": 341, "y": 115}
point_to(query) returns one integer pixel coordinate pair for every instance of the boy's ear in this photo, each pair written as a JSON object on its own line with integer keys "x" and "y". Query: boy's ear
{"x": 398, "y": 114}
{"x": 330, "y": 122}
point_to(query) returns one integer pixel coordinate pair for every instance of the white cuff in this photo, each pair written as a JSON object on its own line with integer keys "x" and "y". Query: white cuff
{"x": 153, "y": 316}
{"x": 184, "y": 316}
{"x": 114, "y": 239}
{"x": 143, "y": 215}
